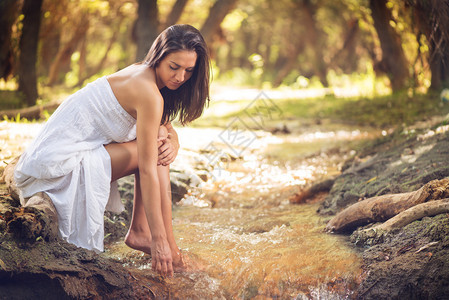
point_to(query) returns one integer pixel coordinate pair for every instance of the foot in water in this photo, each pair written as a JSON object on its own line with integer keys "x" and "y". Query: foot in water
{"x": 139, "y": 240}
{"x": 180, "y": 263}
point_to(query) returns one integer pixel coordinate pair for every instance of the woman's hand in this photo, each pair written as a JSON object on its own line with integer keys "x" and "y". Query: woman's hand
{"x": 168, "y": 150}
{"x": 161, "y": 259}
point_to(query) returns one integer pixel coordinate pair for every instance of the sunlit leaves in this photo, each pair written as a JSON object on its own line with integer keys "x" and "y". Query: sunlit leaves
{"x": 234, "y": 20}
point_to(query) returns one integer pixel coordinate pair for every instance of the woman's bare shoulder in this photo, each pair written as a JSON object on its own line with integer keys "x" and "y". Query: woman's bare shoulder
{"x": 134, "y": 87}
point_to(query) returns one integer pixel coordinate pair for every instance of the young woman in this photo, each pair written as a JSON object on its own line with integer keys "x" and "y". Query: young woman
{"x": 116, "y": 126}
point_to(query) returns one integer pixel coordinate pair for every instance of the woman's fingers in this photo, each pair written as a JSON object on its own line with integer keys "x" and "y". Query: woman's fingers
{"x": 161, "y": 258}
{"x": 164, "y": 267}
{"x": 166, "y": 153}
{"x": 165, "y": 147}
{"x": 166, "y": 160}
{"x": 170, "y": 269}
{"x": 158, "y": 267}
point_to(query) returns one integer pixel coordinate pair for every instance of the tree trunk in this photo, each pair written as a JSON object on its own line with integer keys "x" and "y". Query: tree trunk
{"x": 65, "y": 52}
{"x": 85, "y": 71}
{"x": 284, "y": 66}
{"x": 382, "y": 208}
{"x": 50, "y": 45}
{"x": 28, "y": 50}
{"x": 394, "y": 62}
{"x": 8, "y": 13}
{"x": 146, "y": 26}
{"x": 175, "y": 13}
{"x": 433, "y": 21}
{"x": 315, "y": 39}
{"x": 287, "y": 59}
{"x": 82, "y": 63}
{"x": 346, "y": 58}
{"x": 217, "y": 13}
{"x": 242, "y": 58}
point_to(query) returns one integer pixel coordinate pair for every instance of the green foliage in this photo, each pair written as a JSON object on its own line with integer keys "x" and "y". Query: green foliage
{"x": 261, "y": 44}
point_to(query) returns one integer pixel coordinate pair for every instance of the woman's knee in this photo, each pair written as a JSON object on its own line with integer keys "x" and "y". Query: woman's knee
{"x": 163, "y": 132}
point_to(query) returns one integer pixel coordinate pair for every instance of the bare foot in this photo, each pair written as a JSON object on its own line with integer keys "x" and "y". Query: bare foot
{"x": 138, "y": 241}
{"x": 179, "y": 263}
{"x": 141, "y": 241}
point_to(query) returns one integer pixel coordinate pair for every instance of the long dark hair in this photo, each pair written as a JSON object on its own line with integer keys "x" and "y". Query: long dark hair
{"x": 192, "y": 96}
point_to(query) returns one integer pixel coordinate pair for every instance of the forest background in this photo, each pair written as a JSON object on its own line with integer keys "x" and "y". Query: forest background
{"x": 52, "y": 47}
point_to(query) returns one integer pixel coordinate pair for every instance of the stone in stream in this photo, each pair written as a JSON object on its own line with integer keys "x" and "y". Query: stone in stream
{"x": 181, "y": 181}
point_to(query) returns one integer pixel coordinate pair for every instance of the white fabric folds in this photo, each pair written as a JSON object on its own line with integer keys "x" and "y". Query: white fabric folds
{"x": 68, "y": 161}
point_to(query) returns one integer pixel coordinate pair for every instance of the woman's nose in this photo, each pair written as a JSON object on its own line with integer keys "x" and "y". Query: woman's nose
{"x": 180, "y": 76}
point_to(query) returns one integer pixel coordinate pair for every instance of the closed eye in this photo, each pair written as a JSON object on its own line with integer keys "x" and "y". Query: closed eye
{"x": 174, "y": 68}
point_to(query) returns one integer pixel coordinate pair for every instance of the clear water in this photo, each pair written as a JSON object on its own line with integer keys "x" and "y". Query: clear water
{"x": 243, "y": 237}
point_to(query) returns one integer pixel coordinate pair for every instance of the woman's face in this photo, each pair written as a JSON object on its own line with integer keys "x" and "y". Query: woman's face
{"x": 175, "y": 69}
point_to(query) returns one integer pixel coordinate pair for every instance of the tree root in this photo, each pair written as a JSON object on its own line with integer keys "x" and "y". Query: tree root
{"x": 377, "y": 234}
{"x": 309, "y": 193}
{"x": 382, "y": 208}
{"x": 414, "y": 213}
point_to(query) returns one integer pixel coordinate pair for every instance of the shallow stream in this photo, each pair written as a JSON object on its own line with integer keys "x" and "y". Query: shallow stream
{"x": 241, "y": 234}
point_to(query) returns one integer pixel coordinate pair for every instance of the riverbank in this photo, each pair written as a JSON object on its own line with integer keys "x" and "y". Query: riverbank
{"x": 409, "y": 263}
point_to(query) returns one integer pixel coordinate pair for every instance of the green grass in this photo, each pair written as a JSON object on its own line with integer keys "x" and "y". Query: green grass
{"x": 380, "y": 112}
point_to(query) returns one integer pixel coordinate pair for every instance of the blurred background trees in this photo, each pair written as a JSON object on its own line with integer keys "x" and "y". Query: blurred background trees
{"x": 259, "y": 43}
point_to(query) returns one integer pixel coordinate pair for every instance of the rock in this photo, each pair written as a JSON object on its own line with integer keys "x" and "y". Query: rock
{"x": 281, "y": 130}
{"x": 32, "y": 266}
{"x": 182, "y": 181}
{"x": 8, "y": 178}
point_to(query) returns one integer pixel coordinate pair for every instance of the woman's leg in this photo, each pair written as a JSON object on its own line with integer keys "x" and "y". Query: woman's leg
{"x": 139, "y": 234}
{"x": 124, "y": 162}
{"x": 123, "y": 159}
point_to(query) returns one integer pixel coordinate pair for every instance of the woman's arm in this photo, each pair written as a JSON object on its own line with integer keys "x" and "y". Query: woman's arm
{"x": 170, "y": 147}
{"x": 149, "y": 113}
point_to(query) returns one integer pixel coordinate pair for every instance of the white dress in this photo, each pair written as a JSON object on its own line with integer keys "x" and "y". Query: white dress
{"x": 68, "y": 161}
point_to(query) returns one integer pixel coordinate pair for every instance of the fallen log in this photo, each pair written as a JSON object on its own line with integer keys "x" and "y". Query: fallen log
{"x": 32, "y": 112}
{"x": 28, "y": 221}
{"x": 8, "y": 179}
{"x": 382, "y": 208}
